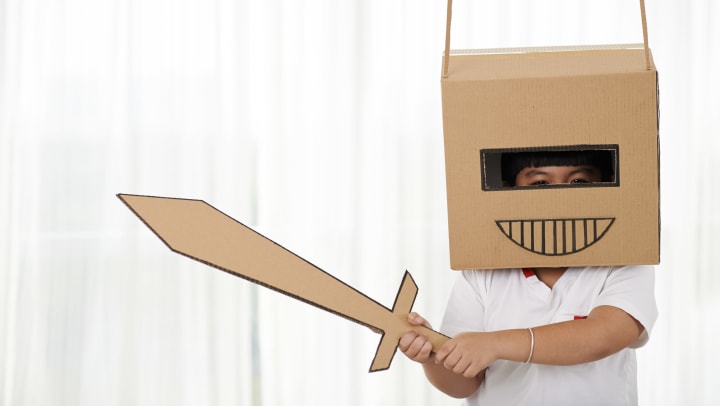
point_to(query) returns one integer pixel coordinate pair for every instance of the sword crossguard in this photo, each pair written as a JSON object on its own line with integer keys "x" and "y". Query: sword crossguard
{"x": 399, "y": 326}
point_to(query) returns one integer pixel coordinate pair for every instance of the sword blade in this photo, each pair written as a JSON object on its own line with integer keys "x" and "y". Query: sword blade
{"x": 199, "y": 231}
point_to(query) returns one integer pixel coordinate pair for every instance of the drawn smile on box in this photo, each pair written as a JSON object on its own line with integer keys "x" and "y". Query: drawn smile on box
{"x": 553, "y": 237}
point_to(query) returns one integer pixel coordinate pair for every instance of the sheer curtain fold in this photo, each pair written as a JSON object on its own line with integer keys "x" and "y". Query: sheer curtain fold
{"x": 318, "y": 123}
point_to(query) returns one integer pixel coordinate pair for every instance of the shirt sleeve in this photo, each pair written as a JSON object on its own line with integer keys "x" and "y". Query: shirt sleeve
{"x": 632, "y": 289}
{"x": 466, "y": 309}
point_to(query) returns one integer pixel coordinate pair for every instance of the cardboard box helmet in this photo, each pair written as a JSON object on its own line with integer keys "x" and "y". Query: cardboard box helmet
{"x": 499, "y": 105}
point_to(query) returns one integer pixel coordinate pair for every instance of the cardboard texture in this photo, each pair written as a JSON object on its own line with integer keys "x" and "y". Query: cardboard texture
{"x": 199, "y": 231}
{"x": 549, "y": 99}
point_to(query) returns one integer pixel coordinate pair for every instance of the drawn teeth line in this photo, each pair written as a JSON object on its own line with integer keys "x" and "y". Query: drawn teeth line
{"x": 555, "y": 236}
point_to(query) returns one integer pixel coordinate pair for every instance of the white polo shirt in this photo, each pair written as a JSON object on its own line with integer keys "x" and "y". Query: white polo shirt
{"x": 491, "y": 300}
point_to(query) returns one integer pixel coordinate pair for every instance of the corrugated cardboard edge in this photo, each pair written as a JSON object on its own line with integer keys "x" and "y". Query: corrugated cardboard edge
{"x": 543, "y": 49}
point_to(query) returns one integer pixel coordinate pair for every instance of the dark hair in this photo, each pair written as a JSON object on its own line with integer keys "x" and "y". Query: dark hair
{"x": 514, "y": 162}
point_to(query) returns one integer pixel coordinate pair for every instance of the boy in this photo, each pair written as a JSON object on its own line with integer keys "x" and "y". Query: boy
{"x": 544, "y": 336}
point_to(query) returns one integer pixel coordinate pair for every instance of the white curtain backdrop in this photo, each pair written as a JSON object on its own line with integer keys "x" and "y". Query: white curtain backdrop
{"x": 318, "y": 123}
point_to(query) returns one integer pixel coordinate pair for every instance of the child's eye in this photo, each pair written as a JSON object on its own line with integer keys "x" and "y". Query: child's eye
{"x": 540, "y": 183}
{"x": 580, "y": 180}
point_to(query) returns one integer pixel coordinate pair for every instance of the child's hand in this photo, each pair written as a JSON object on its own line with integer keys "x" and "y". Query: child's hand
{"x": 416, "y": 346}
{"x": 467, "y": 354}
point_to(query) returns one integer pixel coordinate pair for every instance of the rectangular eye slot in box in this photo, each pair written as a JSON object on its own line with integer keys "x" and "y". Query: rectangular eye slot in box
{"x": 499, "y": 166}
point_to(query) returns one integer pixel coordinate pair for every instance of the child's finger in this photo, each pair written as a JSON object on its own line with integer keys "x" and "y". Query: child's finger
{"x": 453, "y": 362}
{"x": 460, "y": 366}
{"x": 443, "y": 352}
{"x": 417, "y": 320}
{"x": 426, "y": 351}
{"x": 406, "y": 341}
{"x": 415, "y": 346}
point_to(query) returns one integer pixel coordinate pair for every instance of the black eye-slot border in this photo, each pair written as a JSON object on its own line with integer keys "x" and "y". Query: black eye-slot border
{"x": 491, "y": 176}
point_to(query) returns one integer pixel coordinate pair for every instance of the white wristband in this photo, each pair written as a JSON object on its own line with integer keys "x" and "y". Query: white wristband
{"x": 532, "y": 345}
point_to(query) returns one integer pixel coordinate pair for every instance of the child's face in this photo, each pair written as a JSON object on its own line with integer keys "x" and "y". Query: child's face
{"x": 553, "y": 175}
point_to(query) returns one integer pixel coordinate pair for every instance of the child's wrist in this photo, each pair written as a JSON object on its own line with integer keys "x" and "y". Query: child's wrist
{"x": 514, "y": 345}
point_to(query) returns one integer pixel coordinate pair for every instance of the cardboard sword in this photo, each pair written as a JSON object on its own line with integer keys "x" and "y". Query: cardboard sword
{"x": 199, "y": 231}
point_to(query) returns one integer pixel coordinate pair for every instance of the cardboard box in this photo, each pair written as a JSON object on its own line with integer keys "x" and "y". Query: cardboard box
{"x": 549, "y": 99}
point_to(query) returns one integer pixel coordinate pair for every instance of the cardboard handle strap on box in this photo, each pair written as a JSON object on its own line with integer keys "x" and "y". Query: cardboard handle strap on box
{"x": 446, "y": 60}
